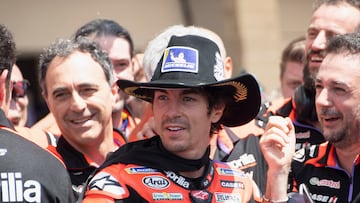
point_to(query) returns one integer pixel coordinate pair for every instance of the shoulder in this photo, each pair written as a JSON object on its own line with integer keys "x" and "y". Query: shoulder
{"x": 34, "y": 166}
{"x": 108, "y": 182}
{"x": 34, "y": 135}
{"x": 313, "y": 156}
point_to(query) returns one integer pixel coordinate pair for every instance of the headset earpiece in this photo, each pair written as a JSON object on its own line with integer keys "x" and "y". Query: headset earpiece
{"x": 304, "y": 100}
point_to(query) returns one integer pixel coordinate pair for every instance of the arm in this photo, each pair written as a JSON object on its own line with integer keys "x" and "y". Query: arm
{"x": 278, "y": 146}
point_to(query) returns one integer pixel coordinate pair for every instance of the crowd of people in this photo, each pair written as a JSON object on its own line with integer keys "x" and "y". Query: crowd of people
{"x": 173, "y": 124}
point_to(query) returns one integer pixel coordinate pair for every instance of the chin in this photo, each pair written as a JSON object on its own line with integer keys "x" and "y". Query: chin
{"x": 174, "y": 147}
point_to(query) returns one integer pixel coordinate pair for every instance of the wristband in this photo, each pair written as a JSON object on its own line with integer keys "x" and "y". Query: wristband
{"x": 274, "y": 201}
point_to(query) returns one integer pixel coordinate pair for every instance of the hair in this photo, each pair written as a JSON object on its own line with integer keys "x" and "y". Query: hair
{"x": 104, "y": 27}
{"x": 294, "y": 51}
{"x": 7, "y": 55}
{"x": 318, "y": 3}
{"x": 353, "y": 3}
{"x": 347, "y": 43}
{"x": 64, "y": 48}
{"x": 155, "y": 48}
{"x": 214, "y": 102}
{"x": 308, "y": 77}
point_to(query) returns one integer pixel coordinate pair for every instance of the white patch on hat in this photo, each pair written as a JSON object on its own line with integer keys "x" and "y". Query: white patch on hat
{"x": 179, "y": 58}
{"x": 218, "y": 67}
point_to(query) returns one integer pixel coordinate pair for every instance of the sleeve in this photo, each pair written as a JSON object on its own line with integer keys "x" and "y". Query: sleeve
{"x": 106, "y": 185}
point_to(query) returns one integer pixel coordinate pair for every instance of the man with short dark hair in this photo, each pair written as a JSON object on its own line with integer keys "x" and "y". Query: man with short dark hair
{"x": 78, "y": 85}
{"x": 331, "y": 171}
{"x": 116, "y": 41}
{"x": 28, "y": 173}
{"x": 191, "y": 100}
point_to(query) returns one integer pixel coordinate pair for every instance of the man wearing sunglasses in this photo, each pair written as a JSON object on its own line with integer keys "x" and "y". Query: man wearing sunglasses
{"x": 19, "y": 103}
{"x": 28, "y": 173}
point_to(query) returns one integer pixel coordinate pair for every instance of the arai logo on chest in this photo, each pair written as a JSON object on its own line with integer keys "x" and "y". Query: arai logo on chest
{"x": 156, "y": 182}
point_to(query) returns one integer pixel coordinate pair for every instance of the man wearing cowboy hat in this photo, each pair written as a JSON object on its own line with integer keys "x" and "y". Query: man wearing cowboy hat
{"x": 190, "y": 100}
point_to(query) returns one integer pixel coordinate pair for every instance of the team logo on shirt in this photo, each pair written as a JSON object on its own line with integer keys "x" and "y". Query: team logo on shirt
{"x": 3, "y": 151}
{"x": 140, "y": 170}
{"x": 324, "y": 182}
{"x": 156, "y": 182}
{"x": 229, "y": 172}
{"x": 324, "y": 198}
{"x": 200, "y": 196}
{"x": 227, "y": 197}
{"x": 178, "y": 179}
{"x": 15, "y": 189}
{"x": 167, "y": 196}
{"x": 232, "y": 184}
{"x": 303, "y": 135}
{"x": 106, "y": 182}
{"x": 244, "y": 161}
{"x": 299, "y": 155}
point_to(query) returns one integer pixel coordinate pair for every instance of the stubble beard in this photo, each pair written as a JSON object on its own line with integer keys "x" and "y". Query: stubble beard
{"x": 348, "y": 134}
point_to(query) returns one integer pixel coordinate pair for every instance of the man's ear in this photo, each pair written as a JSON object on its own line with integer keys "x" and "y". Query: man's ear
{"x": 228, "y": 67}
{"x": 217, "y": 112}
{"x": 114, "y": 91}
{"x": 3, "y": 90}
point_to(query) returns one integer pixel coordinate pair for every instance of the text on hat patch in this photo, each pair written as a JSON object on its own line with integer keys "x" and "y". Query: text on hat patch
{"x": 178, "y": 58}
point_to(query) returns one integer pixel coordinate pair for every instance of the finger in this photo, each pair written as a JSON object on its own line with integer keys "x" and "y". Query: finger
{"x": 278, "y": 134}
{"x": 278, "y": 122}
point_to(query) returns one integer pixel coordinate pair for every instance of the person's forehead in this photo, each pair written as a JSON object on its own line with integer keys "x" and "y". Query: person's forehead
{"x": 76, "y": 61}
{"x": 339, "y": 19}
{"x": 293, "y": 68}
{"x": 340, "y": 65}
{"x": 116, "y": 47}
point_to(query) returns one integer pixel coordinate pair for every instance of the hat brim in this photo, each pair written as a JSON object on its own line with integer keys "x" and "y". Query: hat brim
{"x": 242, "y": 92}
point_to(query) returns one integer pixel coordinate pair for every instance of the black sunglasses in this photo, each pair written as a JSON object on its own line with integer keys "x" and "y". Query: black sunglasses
{"x": 20, "y": 88}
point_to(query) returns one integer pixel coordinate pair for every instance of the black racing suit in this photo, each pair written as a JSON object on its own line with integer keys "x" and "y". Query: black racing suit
{"x": 318, "y": 169}
{"x": 29, "y": 173}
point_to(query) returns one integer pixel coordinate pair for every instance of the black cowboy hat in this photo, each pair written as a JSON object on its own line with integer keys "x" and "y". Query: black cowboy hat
{"x": 192, "y": 62}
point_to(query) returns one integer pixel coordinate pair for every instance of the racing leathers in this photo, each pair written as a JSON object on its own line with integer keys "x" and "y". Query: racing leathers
{"x": 144, "y": 171}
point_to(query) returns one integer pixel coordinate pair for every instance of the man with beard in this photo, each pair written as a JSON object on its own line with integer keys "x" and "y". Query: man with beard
{"x": 324, "y": 25}
{"x": 331, "y": 171}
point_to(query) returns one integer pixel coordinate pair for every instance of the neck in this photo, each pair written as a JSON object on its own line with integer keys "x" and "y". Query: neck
{"x": 347, "y": 156}
{"x": 193, "y": 174}
{"x": 117, "y": 119}
{"x": 98, "y": 149}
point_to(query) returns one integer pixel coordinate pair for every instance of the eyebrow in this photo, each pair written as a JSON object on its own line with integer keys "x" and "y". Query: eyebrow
{"x": 318, "y": 80}
{"x": 57, "y": 90}
{"x": 82, "y": 85}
